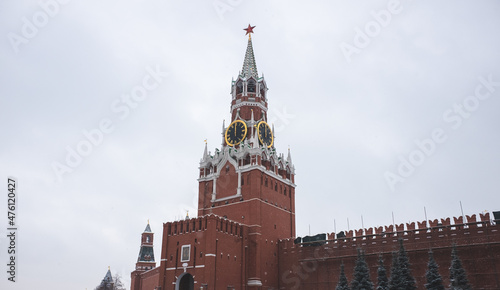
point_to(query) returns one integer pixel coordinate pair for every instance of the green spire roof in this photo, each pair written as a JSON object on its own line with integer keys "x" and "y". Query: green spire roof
{"x": 107, "y": 282}
{"x": 108, "y": 278}
{"x": 249, "y": 66}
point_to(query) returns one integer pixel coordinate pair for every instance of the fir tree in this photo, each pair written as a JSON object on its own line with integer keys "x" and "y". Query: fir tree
{"x": 434, "y": 280}
{"x": 458, "y": 277}
{"x": 395, "y": 279}
{"x": 407, "y": 280}
{"x": 343, "y": 283}
{"x": 382, "y": 275}
{"x": 361, "y": 274}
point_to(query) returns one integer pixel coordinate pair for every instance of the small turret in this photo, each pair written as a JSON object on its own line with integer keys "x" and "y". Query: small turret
{"x": 205, "y": 153}
{"x": 146, "y": 259}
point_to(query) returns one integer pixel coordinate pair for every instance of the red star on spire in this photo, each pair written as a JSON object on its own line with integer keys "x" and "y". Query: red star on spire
{"x": 249, "y": 29}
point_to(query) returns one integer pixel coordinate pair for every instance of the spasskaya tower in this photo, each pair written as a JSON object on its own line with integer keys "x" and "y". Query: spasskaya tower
{"x": 246, "y": 204}
{"x": 247, "y": 181}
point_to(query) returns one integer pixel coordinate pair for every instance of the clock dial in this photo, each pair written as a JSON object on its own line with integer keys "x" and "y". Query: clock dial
{"x": 236, "y": 132}
{"x": 265, "y": 134}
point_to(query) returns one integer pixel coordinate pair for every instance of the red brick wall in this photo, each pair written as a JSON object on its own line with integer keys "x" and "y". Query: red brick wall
{"x": 217, "y": 252}
{"x": 144, "y": 280}
{"x": 478, "y": 247}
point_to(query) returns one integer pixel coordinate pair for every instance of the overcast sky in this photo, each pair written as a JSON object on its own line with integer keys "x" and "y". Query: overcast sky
{"x": 387, "y": 107}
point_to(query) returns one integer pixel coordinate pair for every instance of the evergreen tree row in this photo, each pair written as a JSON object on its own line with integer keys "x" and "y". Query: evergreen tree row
{"x": 401, "y": 277}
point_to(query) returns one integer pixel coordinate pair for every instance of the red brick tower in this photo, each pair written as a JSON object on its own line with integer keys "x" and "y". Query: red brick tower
{"x": 146, "y": 259}
{"x": 247, "y": 181}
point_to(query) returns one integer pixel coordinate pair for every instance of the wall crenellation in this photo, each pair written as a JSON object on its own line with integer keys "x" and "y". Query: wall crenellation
{"x": 201, "y": 224}
{"x": 438, "y": 228}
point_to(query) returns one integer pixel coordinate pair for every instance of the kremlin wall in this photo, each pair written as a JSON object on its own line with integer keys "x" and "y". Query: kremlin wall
{"x": 318, "y": 267}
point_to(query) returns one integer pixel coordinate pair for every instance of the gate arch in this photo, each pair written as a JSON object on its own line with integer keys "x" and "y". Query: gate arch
{"x": 185, "y": 282}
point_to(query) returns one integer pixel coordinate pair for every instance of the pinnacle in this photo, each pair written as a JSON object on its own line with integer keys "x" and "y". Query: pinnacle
{"x": 249, "y": 66}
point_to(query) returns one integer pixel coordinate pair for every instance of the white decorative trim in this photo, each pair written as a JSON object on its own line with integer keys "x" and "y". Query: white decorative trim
{"x": 149, "y": 270}
{"x": 226, "y": 157}
{"x": 227, "y": 198}
{"x": 178, "y": 268}
{"x": 252, "y": 199}
{"x": 214, "y": 186}
{"x": 238, "y": 190}
{"x": 250, "y": 167}
{"x": 254, "y": 282}
{"x": 209, "y": 255}
{"x": 183, "y": 259}
{"x": 246, "y": 103}
{"x": 270, "y": 173}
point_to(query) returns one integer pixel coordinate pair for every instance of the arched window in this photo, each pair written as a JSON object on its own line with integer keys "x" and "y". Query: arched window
{"x": 147, "y": 239}
{"x": 239, "y": 87}
{"x": 251, "y": 86}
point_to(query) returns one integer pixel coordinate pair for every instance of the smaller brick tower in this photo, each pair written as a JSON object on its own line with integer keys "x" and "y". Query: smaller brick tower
{"x": 146, "y": 259}
{"x": 145, "y": 263}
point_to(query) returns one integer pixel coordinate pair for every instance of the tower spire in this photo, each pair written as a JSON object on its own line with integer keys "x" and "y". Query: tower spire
{"x": 205, "y": 152}
{"x": 249, "y": 66}
{"x": 289, "y": 157}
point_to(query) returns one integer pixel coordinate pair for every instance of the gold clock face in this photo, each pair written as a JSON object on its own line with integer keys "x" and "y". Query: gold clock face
{"x": 236, "y": 132}
{"x": 265, "y": 134}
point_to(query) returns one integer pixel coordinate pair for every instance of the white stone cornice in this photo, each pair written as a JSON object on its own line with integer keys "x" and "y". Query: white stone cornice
{"x": 249, "y": 167}
{"x": 237, "y": 154}
{"x": 260, "y": 105}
